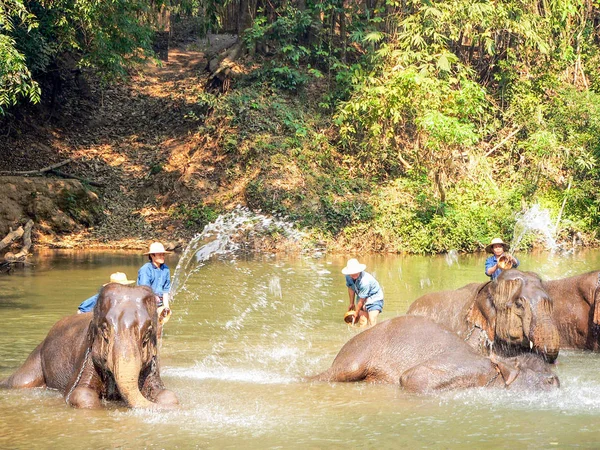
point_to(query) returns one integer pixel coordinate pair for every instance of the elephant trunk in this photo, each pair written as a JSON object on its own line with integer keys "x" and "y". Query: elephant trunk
{"x": 544, "y": 336}
{"x": 127, "y": 369}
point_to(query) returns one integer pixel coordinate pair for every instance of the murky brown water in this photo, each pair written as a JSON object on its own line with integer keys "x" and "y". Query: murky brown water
{"x": 245, "y": 331}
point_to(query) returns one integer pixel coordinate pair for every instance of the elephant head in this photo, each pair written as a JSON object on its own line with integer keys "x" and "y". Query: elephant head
{"x": 123, "y": 334}
{"x": 525, "y": 372}
{"x": 515, "y": 311}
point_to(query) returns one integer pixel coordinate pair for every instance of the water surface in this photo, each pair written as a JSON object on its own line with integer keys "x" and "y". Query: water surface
{"x": 246, "y": 330}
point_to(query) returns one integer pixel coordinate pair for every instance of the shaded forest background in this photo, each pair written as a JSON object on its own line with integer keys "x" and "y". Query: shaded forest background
{"x": 376, "y": 125}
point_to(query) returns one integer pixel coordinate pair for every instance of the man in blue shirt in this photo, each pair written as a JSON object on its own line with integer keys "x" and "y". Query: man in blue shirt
{"x": 157, "y": 276}
{"x": 498, "y": 248}
{"x": 88, "y": 305}
{"x": 365, "y": 287}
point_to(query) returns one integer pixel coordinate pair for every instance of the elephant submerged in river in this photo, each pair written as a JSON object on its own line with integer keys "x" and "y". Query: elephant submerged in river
{"x": 110, "y": 353}
{"x": 511, "y": 315}
{"x": 577, "y": 310}
{"x": 423, "y": 356}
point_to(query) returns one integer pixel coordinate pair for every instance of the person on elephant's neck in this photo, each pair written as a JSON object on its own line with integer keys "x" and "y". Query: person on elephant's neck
{"x": 158, "y": 259}
{"x": 498, "y": 248}
{"x": 364, "y": 286}
{"x": 157, "y": 275}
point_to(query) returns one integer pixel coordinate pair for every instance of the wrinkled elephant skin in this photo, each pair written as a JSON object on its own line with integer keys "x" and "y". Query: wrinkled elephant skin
{"x": 110, "y": 353}
{"x": 577, "y": 310}
{"x": 512, "y": 314}
{"x": 423, "y": 356}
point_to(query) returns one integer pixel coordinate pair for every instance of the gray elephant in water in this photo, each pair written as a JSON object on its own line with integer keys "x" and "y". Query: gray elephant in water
{"x": 577, "y": 310}
{"x": 511, "y": 315}
{"x": 423, "y": 356}
{"x": 110, "y": 353}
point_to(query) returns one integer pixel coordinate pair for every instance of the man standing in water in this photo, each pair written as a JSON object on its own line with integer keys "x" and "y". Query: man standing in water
{"x": 364, "y": 286}
{"x": 157, "y": 276}
{"x": 498, "y": 248}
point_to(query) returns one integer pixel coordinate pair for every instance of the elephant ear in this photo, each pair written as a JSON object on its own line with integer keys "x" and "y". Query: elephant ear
{"x": 482, "y": 313}
{"x": 597, "y": 301}
{"x": 509, "y": 369}
{"x": 507, "y": 290}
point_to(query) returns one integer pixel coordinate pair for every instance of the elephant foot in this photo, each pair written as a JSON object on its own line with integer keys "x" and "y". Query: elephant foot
{"x": 83, "y": 397}
{"x": 167, "y": 399}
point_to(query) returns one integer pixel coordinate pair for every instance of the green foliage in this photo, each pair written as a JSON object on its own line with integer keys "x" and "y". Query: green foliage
{"x": 15, "y": 77}
{"x": 106, "y": 36}
{"x": 194, "y": 216}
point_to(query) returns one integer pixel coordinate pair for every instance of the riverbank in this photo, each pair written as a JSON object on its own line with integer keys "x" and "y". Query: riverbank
{"x": 160, "y": 156}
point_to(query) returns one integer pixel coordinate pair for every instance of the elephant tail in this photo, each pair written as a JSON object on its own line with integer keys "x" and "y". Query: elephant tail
{"x": 596, "y": 303}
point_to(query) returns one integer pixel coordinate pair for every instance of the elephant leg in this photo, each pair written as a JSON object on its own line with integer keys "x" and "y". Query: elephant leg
{"x": 29, "y": 375}
{"x": 440, "y": 374}
{"x": 342, "y": 373}
{"x": 166, "y": 398}
{"x": 84, "y": 397}
{"x": 154, "y": 390}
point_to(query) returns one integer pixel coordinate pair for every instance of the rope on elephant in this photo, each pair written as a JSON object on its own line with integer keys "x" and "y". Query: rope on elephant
{"x": 491, "y": 380}
{"x": 85, "y": 359}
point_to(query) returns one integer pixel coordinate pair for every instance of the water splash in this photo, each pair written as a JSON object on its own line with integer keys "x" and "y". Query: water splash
{"x": 535, "y": 221}
{"x": 226, "y": 236}
{"x": 451, "y": 257}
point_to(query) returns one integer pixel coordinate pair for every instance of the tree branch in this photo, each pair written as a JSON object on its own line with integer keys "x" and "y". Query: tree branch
{"x": 42, "y": 170}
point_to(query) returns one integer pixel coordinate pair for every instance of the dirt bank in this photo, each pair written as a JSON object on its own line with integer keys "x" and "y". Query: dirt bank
{"x": 133, "y": 141}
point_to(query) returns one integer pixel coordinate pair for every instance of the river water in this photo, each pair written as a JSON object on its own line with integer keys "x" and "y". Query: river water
{"x": 244, "y": 332}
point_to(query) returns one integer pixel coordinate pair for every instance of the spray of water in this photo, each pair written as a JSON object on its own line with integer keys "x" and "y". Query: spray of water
{"x": 535, "y": 221}
{"x": 451, "y": 257}
{"x": 223, "y": 237}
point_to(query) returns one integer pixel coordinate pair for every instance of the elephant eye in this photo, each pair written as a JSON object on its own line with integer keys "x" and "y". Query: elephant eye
{"x": 519, "y": 303}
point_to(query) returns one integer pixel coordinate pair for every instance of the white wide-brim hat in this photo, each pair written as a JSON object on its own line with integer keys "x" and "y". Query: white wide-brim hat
{"x": 490, "y": 247}
{"x": 353, "y": 266}
{"x": 156, "y": 247}
{"x": 119, "y": 277}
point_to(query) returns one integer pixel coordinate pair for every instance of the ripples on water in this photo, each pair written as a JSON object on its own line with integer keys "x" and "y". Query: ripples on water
{"x": 246, "y": 330}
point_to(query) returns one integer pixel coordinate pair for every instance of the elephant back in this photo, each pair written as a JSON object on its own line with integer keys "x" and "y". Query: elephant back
{"x": 448, "y": 308}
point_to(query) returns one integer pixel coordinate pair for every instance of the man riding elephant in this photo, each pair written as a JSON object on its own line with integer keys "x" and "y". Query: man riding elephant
{"x": 109, "y": 353}
{"x": 511, "y": 314}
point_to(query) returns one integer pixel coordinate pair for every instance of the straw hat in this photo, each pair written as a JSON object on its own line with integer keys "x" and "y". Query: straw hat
{"x": 353, "y": 266}
{"x": 156, "y": 247}
{"x": 495, "y": 241}
{"x": 119, "y": 277}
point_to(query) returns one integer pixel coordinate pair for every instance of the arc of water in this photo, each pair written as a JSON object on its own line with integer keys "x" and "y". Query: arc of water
{"x": 221, "y": 237}
{"x": 535, "y": 220}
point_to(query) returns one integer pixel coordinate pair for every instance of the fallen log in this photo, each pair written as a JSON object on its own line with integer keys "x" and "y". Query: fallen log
{"x": 42, "y": 170}
{"x": 11, "y": 236}
{"x": 26, "y": 244}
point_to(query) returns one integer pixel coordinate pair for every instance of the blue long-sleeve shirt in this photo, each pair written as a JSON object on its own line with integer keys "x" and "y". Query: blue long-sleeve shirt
{"x": 88, "y": 305}
{"x": 491, "y": 262}
{"x": 365, "y": 286}
{"x": 157, "y": 278}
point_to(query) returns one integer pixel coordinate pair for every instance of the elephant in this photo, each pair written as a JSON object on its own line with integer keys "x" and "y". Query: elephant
{"x": 109, "y": 353}
{"x": 512, "y": 314}
{"x": 577, "y": 310}
{"x": 422, "y": 356}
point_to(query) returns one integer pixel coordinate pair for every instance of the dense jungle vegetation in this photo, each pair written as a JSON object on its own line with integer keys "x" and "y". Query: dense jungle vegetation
{"x": 379, "y": 125}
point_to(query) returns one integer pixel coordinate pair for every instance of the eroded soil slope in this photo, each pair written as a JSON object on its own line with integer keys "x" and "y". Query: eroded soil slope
{"x": 134, "y": 140}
